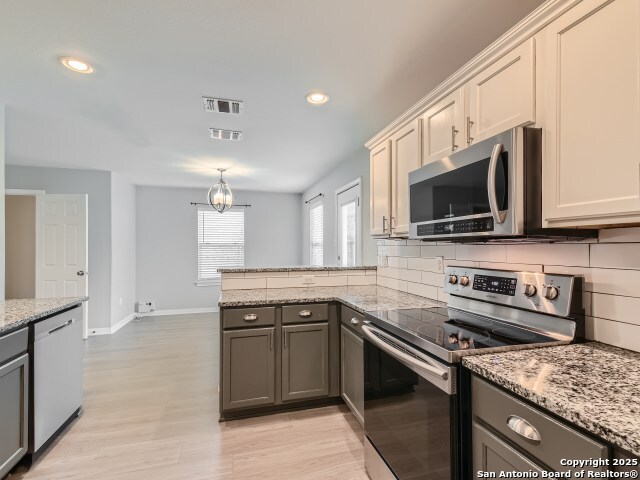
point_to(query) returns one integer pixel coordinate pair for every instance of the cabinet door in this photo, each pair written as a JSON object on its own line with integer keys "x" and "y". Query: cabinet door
{"x": 352, "y": 372}
{"x": 248, "y": 371}
{"x": 406, "y": 156}
{"x": 502, "y": 96}
{"x": 492, "y": 454}
{"x": 443, "y": 128}
{"x": 305, "y": 361}
{"x": 380, "y": 198}
{"x": 14, "y": 380}
{"x": 592, "y": 105}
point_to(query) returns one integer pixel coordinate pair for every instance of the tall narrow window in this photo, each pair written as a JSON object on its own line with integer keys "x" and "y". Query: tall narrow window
{"x": 220, "y": 242}
{"x": 315, "y": 234}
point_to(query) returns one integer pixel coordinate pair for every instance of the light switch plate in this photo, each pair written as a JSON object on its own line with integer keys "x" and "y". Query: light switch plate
{"x": 440, "y": 264}
{"x": 308, "y": 279}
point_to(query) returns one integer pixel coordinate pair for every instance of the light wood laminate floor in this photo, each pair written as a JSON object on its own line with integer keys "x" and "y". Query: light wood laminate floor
{"x": 151, "y": 412}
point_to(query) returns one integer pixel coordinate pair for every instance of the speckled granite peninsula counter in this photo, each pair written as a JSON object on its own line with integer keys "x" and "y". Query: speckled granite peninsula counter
{"x": 15, "y": 314}
{"x": 296, "y": 268}
{"x": 360, "y": 298}
{"x": 592, "y": 385}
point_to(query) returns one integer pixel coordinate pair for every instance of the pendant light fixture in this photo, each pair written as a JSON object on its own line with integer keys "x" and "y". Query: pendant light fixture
{"x": 220, "y": 196}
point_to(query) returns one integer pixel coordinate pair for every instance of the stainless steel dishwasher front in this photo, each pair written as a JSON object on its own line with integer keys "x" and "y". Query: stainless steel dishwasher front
{"x": 57, "y": 374}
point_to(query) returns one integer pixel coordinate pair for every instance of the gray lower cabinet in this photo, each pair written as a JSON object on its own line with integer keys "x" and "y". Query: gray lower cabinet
{"x": 14, "y": 395}
{"x": 248, "y": 359}
{"x": 352, "y": 371}
{"x": 305, "y": 361}
{"x": 492, "y": 454}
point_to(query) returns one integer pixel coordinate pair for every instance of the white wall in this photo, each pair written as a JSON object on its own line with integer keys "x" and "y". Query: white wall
{"x": 167, "y": 258}
{"x": 2, "y": 160}
{"x": 343, "y": 173}
{"x": 610, "y": 266}
{"x": 123, "y": 248}
{"x": 97, "y": 185}
{"x": 20, "y": 241}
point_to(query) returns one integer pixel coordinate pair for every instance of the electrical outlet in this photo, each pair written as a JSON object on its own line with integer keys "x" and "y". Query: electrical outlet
{"x": 308, "y": 279}
{"x": 440, "y": 264}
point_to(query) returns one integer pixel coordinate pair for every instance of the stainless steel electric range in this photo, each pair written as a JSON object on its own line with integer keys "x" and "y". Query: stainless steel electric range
{"x": 414, "y": 409}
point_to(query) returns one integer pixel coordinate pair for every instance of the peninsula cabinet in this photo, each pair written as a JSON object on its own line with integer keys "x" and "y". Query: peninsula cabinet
{"x": 406, "y": 156}
{"x": 502, "y": 96}
{"x": 592, "y": 111}
{"x": 443, "y": 127}
{"x": 380, "y": 186}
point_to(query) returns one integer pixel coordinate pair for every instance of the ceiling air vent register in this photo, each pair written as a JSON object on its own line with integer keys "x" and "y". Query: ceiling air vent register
{"x": 220, "y": 105}
{"x": 220, "y": 134}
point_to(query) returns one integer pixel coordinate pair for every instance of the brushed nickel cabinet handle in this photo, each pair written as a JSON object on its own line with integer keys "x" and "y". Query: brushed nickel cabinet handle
{"x": 305, "y": 313}
{"x": 469, "y": 125}
{"x": 523, "y": 428}
{"x": 454, "y": 132}
{"x": 271, "y": 340}
{"x": 354, "y": 321}
{"x": 250, "y": 317}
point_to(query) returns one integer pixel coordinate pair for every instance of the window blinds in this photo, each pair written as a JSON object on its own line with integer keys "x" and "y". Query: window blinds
{"x": 316, "y": 224}
{"x": 220, "y": 241}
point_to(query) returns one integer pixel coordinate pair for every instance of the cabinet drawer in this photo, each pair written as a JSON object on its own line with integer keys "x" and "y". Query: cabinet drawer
{"x": 13, "y": 344}
{"x": 248, "y": 317}
{"x": 312, "y": 312}
{"x": 556, "y": 440}
{"x": 351, "y": 319}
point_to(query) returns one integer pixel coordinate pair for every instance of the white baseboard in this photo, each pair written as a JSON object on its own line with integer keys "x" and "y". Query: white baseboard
{"x": 180, "y": 311}
{"x": 114, "y": 328}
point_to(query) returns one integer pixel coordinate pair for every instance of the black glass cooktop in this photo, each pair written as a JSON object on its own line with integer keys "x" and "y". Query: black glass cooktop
{"x": 455, "y": 330}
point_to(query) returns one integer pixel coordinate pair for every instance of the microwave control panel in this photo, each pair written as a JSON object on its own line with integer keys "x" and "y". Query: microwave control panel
{"x": 472, "y": 225}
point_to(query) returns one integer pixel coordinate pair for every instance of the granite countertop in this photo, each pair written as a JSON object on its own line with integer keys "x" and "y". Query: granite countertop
{"x": 592, "y": 385}
{"x": 297, "y": 268}
{"x": 15, "y": 314}
{"x": 360, "y": 298}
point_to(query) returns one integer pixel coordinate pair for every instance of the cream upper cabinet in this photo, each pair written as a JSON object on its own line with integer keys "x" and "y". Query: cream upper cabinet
{"x": 443, "y": 128}
{"x": 406, "y": 156}
{"x": 592, "y": 109}
{"x": 380, "y": 184}
{"x": 502, "y": 96}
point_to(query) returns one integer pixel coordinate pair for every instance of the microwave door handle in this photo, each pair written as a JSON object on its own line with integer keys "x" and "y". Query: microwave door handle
{"x": 498, "y": 216}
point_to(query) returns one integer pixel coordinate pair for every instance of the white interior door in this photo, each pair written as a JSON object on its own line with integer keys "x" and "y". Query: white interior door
{"x": 61, "y": 247}
{"x": 349, "y": 225}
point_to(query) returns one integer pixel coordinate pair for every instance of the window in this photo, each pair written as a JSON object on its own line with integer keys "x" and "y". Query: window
{"x": 315, "y": 234}
{"x": 220, "y": 242}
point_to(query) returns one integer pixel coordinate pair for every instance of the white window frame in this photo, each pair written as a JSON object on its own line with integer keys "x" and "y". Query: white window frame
{"x": 216, "y": 280}
{"x": 315, "y": 204}
{"x": 354, "y": 183}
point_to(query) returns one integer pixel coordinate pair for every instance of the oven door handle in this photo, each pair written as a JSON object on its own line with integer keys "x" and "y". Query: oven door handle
{"x": 498, "y": 216}
{"x": 374, "y": 334}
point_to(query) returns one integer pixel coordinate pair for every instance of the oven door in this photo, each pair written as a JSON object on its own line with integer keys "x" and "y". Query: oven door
{"x": 476, "y": 192}
{"x": 410, "y": 410}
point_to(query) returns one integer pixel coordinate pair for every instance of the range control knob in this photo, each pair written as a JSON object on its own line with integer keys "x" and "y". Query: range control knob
{"x": 453, "y": 279}
{"x": 464, "y": 280}
{"x": 529, "y": 290}
{"x": 551, "y": 293}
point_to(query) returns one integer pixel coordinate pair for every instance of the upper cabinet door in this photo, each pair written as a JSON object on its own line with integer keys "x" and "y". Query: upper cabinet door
{"x": 380, "y": 199}
{"x": 406, "y": 156}
{"x": 502, "y": 96}
{"x": 592, "y": 105}
{"x": 443, "y": 128}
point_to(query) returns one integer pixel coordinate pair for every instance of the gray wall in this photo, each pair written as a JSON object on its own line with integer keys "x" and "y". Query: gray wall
{"x": 123, "y": 248}
{"x": 2, "y": 149}
{"x": 20, "y": 241}
{"x": 167, "y": 243}
{"x": 353, "y": 167}
{"x": 97, "y": 185}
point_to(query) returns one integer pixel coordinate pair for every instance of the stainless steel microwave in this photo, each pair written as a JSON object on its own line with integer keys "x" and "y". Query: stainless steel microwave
{"x": 491, "y": 190}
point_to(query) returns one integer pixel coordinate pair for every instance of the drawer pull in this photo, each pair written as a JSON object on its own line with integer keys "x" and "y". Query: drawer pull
{"x": 250, "y": 317}
{"x": 523, "y": 428}
{"x": 354, "y": 321}
{"x": 305, "y": 313}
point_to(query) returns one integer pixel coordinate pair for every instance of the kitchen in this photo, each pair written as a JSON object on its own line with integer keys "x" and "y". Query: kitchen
{"x": 464, "y": 301}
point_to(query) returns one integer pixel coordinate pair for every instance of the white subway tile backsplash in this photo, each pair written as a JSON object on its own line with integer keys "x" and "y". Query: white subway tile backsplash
{"x": 279, "y": 282}
{"x": 346, "y": 272}
{"x": 422, "y": 290}
{"x": 615, "y": 307}
{"x": 486, "y": 253}
{"x": 396, "y": 284}
{"x": 265, "y": 274}
{"x": 361, "y": 280}
{"x": 619, "y": 235}
{"x": 305, "y": 273}
{"x": 397, "y": 262}
{"x": 403, "y": 251}
{"x": 435, "y": 279}
{"x": 616, "y": 255}
{"x": 243, "y": 283}
{"x": 424, "y": 264}
{"x": 371, "y": 272}
{"x": 232, "y": 275}
{"x": 329, "y": 281}
{"x": 410, "y": 275}
{"x": 574, "y": 254}
{"x": 621, "y": 334}
{"x": 512, "y": 266}
{"x": 442, "y": 295}
{"x": 431, "y": 251}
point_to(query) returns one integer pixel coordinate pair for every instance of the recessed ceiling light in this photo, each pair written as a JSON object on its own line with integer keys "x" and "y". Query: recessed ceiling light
{"x": 76, "y": 65}
{"x": 317, "y": 98}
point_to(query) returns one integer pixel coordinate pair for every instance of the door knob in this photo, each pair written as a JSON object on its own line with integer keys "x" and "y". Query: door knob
{"x": 81, "y": 273}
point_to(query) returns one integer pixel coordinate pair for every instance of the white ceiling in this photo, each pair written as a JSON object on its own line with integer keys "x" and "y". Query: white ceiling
{"x": 141, "y": 112}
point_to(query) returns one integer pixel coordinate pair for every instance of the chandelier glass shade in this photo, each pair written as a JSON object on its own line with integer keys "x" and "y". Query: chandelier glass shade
{"x": 220, "y": 196}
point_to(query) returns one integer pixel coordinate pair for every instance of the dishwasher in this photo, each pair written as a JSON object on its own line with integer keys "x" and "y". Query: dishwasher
{"x": 56, "y": 380}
